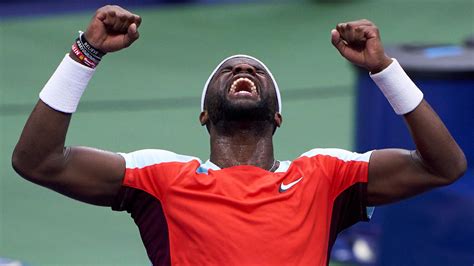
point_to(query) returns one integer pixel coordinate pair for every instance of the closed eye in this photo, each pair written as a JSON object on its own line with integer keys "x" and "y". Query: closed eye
{"x": 226, "y": 70}
{"x": 259, "y": 70}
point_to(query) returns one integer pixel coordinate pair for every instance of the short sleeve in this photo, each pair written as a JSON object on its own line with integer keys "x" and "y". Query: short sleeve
{"x": 348, "y": 176}
{"x": 150, "y": 171}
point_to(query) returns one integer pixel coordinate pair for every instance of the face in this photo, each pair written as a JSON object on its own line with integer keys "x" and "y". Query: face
{"x": 241, "y": 90}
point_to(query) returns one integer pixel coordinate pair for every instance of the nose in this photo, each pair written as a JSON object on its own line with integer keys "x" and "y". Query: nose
{"x": 243, "y": 68}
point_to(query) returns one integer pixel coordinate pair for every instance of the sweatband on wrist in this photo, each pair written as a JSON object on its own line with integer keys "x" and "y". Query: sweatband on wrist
{"x": 400, "y": 91}
{"x": 64, "y": 89}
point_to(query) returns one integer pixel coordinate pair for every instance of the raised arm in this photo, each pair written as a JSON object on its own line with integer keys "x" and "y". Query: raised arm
{"x": 395, "y": 174}
{"x": 86, "y": 174}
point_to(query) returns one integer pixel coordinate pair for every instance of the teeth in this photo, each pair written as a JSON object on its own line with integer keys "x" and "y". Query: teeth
{"x": 253, "y": 88}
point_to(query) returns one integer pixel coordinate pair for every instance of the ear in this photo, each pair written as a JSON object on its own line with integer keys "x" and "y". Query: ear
{"x": 203, "y": 118}
{"x": 278, "y": 119}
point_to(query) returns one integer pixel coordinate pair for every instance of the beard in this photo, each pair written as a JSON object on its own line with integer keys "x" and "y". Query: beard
{"x": 221, "y": 110}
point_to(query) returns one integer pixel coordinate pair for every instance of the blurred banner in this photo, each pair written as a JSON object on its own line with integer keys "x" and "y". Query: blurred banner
{"x": 434, "y": 228}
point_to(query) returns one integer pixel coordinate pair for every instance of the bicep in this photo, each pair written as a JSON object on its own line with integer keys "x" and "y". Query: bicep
{"x": 90, "y": 175}
{"x": 396, "y": 174}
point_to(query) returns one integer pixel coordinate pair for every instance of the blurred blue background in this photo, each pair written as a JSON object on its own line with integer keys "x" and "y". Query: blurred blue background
{"x": 148, "y": 96}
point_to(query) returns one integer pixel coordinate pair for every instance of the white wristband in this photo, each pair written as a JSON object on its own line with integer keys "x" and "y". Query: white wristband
{"x": 64, "y": 89}
{"x": 400, "y": 91}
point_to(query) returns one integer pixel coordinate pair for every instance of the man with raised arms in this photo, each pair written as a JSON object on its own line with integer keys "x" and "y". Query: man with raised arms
{"x": 242, "y": 206}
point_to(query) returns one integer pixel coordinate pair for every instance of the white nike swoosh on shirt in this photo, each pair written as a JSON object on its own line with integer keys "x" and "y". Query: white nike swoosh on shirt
{"x": 284, "y": 187}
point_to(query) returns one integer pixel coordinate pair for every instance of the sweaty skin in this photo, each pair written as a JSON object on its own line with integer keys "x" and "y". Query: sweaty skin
{"x": 245, "y": 139}
{"x": 95, "y": 176}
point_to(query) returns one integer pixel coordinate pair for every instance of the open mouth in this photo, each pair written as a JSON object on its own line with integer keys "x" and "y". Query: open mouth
{"x": 243, "y": 86}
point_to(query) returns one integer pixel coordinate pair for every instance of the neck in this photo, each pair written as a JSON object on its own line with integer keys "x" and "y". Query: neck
{"x": 242, "y": 144}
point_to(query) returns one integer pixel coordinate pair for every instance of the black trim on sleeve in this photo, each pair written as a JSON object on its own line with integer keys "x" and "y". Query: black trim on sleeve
{"x": 349, "y": 208}
{"x": 148, "y": 215}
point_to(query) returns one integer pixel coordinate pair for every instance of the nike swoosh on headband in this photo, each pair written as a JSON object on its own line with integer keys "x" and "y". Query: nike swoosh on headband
{"x": 284, "y": 187}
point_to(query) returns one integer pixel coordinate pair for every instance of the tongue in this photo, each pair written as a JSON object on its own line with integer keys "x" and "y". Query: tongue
{"x": 243, "y": 93}
{"x": 243, "y": 86}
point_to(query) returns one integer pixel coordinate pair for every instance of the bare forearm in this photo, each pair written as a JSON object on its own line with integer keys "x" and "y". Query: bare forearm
{"x": 436, "y": 149}
{"x": 41, "y": 143}
{"x": 395, "y": 174}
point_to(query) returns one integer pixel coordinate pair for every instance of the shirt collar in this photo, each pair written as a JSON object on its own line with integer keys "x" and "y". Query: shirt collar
{"x": 204, "y": 168}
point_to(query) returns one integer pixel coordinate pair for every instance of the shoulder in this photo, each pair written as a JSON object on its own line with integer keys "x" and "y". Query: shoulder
{"x": 147, "y": 157}
{"x": 337, "y": 154}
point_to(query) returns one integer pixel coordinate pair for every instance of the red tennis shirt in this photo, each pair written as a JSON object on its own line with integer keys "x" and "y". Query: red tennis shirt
{"x": 193, "y": 213}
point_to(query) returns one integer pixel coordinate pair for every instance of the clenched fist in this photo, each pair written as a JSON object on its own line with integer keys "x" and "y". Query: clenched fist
{"x": 359, "y": 42}
{"x": 113, "y": 28}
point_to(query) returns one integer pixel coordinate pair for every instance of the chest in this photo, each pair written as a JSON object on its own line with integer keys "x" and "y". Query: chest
{"x": 242, "y": 197}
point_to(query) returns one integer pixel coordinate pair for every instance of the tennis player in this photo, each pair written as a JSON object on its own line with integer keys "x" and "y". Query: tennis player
{"x": 242, "y": 206}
